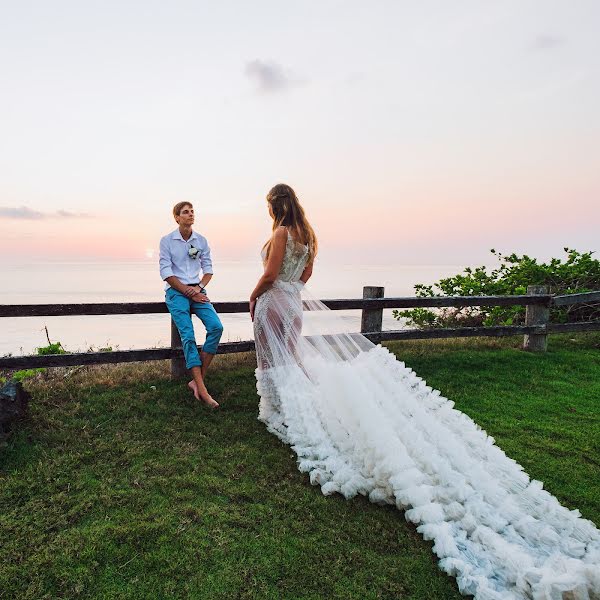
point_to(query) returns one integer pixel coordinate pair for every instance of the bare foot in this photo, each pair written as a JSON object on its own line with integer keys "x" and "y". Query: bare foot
{"x": 205, "y": 397}
{"x": 209, "y": 401}
{"x": 192, "y": 385}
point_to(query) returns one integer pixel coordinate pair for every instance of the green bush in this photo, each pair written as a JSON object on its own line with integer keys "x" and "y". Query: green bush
{"x": 52, "y": 348}
{"x": 26, "y": 373}
{"x": 578, "y": 272}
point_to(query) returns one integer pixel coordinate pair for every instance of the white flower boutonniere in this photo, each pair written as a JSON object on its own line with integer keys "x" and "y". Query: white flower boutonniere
{"x": 193, "y": 252}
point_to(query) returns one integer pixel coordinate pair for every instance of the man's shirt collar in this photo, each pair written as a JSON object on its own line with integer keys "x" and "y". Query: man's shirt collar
{"x": 176, "y": 235}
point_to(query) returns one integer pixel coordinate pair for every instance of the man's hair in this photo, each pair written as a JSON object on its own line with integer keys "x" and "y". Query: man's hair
{"x": 179, "y": 206}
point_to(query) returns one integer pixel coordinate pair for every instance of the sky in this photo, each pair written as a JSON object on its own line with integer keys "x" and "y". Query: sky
{"x": 413, "y": 132}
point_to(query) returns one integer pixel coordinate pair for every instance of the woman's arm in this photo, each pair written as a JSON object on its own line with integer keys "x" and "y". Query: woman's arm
{"x": 307, "y": 272}
{"x": 272, "y": 268}
{"x": 274, "y": 262}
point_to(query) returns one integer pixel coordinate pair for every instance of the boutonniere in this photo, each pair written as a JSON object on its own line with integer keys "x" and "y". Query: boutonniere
{"x": 193, "y": 252}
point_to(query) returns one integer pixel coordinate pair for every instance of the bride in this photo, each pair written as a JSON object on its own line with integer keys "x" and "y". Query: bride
{"x": 361, "y": 422}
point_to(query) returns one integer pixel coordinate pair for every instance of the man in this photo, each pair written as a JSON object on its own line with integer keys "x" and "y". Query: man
{"x": 183, "y": 254}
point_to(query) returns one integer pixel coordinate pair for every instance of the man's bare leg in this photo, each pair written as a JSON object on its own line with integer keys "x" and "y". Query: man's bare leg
{"x": 199, "y": 389}
{"x": 206, "y": 359}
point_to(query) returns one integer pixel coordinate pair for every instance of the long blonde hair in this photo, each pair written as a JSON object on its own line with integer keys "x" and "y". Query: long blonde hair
{"x": 288, "y": 212}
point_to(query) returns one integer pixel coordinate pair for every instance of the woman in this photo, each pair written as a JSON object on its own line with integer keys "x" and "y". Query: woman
{"x": 288, "y": 258}
{"x": 361, "y": 422}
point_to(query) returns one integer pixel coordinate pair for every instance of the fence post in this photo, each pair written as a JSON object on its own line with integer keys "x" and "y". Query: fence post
{"x": 536, "y": 314}
{"x": 178, "y": 369}
{"x": 371, "y": 319}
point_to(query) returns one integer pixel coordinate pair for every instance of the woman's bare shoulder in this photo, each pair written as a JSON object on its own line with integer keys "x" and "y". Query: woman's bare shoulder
{"x": 280, "y": 233}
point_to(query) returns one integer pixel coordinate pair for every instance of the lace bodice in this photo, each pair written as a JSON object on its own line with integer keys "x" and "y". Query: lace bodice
{"x": 294, "y": 260}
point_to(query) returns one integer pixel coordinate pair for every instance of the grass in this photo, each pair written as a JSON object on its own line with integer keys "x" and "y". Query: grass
{"x": 118, "y": 486}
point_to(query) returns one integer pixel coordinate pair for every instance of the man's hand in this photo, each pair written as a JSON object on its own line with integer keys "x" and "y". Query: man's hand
{"x": 200, "y": 297}
{"x": 190, "y": 291}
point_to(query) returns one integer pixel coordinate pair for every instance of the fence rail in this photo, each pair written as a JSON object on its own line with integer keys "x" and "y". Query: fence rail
{"x": 143, "y": 308}
{"x": 585, "y": 298}
{"x": 535, "y": 330}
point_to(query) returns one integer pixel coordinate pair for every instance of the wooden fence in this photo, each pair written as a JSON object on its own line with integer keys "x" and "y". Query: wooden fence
{"x": 536, "y": 328}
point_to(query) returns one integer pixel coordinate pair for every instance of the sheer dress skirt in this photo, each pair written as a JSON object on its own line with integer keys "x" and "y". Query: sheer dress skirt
{"x": 362, "y": 422}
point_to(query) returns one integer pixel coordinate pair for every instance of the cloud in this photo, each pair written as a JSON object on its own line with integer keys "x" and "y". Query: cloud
{"x": 268, "y": 76}
{"x": 547, "y": 42}
{"x": 28, "y": 214}
{"x": 20, "y": 212}
{"x": 71, "y": 215}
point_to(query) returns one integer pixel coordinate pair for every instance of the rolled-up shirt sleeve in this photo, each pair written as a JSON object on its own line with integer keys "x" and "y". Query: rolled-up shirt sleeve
{"x": 206, "y": 260}
{"x": 164, "y": 261}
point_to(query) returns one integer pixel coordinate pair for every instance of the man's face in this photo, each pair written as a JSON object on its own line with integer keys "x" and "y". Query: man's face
{"x": 186, "y": 216}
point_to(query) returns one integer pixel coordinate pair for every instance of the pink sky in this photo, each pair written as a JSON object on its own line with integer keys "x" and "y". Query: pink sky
{"x": 413, "y": 133}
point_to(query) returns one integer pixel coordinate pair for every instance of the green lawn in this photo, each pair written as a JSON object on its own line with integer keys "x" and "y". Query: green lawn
{"x": 113, "y": 489}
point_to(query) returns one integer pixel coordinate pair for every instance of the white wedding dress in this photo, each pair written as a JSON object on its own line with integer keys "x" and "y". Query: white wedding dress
{"x": 361, "y": 422}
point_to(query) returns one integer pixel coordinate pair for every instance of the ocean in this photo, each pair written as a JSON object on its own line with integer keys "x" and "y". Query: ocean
{"x": 139, "y": 281}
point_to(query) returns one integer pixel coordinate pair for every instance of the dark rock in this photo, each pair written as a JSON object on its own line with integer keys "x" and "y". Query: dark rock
{"x": 13, "y": 404}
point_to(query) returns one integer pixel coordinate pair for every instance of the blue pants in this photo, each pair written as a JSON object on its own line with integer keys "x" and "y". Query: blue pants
{"x": 180, "y": 306}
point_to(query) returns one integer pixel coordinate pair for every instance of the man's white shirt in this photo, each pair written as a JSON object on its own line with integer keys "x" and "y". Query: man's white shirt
{"x": 175, "y": 257}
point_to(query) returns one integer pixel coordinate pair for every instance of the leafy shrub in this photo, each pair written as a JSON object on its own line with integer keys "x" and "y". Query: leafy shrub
{"x": 52, "y": 348}
{"x": 26, "y": 373}
{"x": 578, "y": 272}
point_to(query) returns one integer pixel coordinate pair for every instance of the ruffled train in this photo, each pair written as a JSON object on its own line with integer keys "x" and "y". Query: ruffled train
{"x": 370, "y": 426}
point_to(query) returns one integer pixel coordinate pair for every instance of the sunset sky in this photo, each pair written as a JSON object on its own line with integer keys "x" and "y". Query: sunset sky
{"x": 414, "y": 132}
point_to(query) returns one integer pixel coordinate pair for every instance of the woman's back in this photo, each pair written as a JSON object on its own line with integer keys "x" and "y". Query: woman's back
{"x": 294, "y": 260}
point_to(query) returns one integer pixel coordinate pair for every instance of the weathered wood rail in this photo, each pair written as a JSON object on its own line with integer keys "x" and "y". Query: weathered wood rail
{"x": 138, "y": 308}
{"x": 536, "y": 329}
